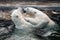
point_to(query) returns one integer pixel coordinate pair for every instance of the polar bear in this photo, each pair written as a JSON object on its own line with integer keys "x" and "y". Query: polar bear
{"x": 27, "y": 19}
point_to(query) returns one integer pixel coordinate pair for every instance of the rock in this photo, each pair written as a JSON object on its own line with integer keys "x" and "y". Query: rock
{"x": 6, "y": 28}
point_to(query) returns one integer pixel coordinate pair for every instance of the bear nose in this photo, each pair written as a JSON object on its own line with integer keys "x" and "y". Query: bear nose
{"x": 24, "y": 11}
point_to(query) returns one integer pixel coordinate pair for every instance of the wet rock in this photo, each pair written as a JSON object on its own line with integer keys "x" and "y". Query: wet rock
{"x": 6, "y": 28}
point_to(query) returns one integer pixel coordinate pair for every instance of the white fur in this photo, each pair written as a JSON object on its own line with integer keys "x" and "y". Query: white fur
{"x": 25, "y": 24}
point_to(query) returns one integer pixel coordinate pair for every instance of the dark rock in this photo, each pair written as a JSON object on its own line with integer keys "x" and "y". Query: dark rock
{"x": 6, "y": 28}
{"x": 56, "y": 18}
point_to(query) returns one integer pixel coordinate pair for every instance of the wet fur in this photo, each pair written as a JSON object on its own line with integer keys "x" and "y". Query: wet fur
{"x": 26, "y": 25}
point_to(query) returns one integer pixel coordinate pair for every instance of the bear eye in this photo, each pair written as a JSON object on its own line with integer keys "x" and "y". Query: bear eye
{"x": 16, "y": 16}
